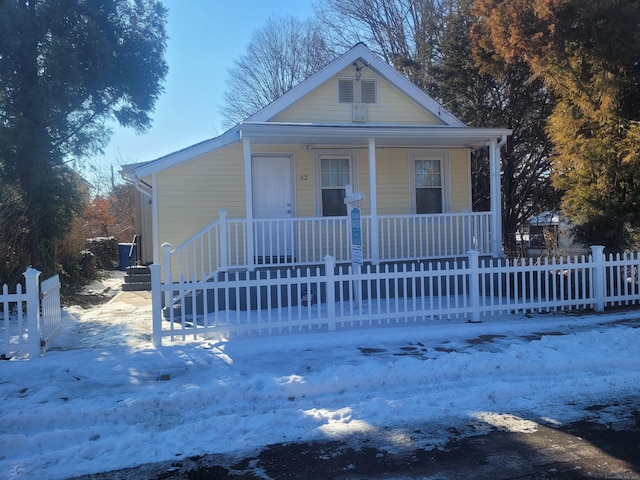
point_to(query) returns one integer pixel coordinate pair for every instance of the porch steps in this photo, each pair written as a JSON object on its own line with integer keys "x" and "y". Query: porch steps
{"x": 137, "y": 278}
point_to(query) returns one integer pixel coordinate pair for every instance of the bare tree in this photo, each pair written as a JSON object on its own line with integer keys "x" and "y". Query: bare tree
{"x": 406, "y": 33}
{"x": 279, "y": 56}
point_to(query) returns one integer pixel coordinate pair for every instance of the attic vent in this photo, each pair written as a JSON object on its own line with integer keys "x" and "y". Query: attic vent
{"x": 351, "y": 90}
{"x": 358, "y": 112}
{"x": 345, "y": 90}
{"x": 368, "y": 91}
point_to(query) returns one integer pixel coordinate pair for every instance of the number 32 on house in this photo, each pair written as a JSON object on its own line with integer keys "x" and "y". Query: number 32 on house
{"x": 303, "y": 178}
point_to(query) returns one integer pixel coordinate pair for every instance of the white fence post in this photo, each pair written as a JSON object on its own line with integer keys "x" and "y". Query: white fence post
{"x": 330, "y": 289}
{"x": 166, "y": 261}
{"x": 168, "y": 277}
{"x": 598, "y": 277}
{"x": 156, "y": 304}
{"x": 474, "y": 284}
{"x": 31, "y": 276}
{"x": 224, "y": 253}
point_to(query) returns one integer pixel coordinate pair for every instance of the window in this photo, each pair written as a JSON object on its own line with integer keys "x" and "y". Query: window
{"x": 428, "y": 183}
{"x": 335, "y": 176}
{"x": 351, "y": 90}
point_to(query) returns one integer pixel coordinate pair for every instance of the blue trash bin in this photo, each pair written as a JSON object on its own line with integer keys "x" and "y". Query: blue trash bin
{"x": 128, "y": 255}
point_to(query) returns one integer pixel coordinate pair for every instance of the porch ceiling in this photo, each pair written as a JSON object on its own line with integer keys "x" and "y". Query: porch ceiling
{"x": 321, "y": 135}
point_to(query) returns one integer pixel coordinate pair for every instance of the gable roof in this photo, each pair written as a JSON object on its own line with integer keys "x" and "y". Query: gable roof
{"x": 359, "y": 53}
{"x": 258, "y": 125}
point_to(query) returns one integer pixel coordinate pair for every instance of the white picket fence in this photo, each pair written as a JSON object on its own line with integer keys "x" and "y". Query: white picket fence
{"x": 31, "y": 317}
{"x": 330, "y": 298}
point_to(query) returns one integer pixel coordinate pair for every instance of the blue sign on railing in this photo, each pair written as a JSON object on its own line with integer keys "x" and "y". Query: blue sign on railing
{"x": 356, "y": 235}
{"x": 356, "y": 227}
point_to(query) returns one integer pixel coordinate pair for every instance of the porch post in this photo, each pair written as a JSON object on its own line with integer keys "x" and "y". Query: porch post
{"x": 222, "y": 235}
{"x": 168, "y": 275}
{"x": 155, "y": 218}
{"x": 248, "y": 183}
{"x": 496, "y": 197}
{"x": 375, "y": 256}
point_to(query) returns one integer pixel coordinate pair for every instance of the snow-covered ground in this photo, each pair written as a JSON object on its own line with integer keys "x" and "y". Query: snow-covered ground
{"x": 105, "y": 399}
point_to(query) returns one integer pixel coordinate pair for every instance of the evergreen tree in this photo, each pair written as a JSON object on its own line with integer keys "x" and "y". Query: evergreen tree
{"x": 66, "y": 68}
{"x": 588, "y": 53}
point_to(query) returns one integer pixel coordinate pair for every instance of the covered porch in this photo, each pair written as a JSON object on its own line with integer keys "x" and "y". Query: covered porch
{"x": 265, "y": 237}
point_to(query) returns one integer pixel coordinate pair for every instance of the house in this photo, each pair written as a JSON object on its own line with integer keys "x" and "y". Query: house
{"x": 550, "y": 234}
{"x": 271, "y": 189}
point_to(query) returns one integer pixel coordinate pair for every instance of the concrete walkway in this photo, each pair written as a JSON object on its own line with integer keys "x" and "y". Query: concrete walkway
{"x": 135, "y": 299}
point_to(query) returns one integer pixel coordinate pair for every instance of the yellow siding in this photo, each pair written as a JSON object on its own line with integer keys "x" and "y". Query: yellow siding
{"x": 216, "y": 181}
{"x": 394, "y": 191}
{"x": 321, "y": 106}
{"x": 460, "y": 174}
{"x": 191, "y": 194}
{"x": 392, "y": 168}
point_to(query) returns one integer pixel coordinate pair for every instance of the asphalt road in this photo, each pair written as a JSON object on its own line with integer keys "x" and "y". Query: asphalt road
{"x": 581, "y": 450}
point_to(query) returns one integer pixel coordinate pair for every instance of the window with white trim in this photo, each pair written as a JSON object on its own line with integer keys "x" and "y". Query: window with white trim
{"x": 335, "y": 175}
{"x": 364, "y": 90}
{"x": 428, "y": 181}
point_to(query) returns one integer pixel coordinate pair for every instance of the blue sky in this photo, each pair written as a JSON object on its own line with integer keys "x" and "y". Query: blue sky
{"x": 205, "y": 37}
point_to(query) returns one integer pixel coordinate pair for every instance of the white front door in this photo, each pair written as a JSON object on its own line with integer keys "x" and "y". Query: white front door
{"x": 272, "y": 199}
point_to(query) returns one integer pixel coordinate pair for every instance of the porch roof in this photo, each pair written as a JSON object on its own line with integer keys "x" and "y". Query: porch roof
{"x": 355, "y": 135}
{"x": 327, "y": 135}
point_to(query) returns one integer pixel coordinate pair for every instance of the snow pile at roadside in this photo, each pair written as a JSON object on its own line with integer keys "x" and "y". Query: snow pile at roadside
{"x": 104, "y": 399}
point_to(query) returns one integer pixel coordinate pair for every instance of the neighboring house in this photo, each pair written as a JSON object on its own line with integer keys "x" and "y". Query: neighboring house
{"x": 280, "y": 178}
{"x": 550, "y": 234}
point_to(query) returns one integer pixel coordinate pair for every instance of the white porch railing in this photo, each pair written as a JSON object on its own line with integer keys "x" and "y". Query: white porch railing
{"x": 305, "y": 241}
{"x": 217, "y": 247}
{"x": 417, "y": 237}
